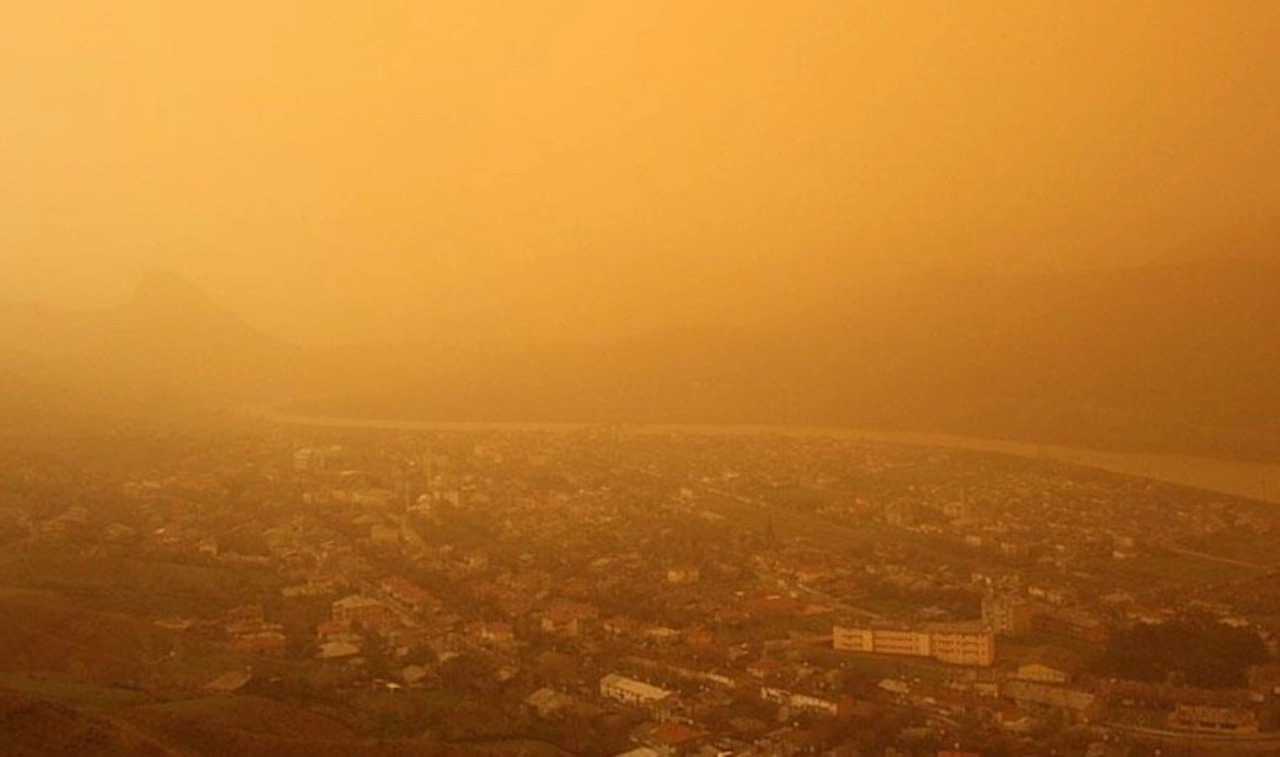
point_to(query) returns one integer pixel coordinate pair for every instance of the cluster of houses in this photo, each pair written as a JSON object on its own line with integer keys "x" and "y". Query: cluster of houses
{"x": 628, "y": 556}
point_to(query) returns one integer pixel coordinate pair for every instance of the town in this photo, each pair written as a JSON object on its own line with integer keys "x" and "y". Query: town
{"x": 614, "y": 590}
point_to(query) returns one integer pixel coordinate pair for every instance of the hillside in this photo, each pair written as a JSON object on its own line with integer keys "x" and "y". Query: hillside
{"x": 75, "y": 681}
{"x": 33, "y": 725}
{"x": 170, "y": 349}
{"x": 48, "y": 634}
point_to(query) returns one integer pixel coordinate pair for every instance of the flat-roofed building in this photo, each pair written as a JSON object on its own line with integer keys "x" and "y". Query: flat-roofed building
{"x": 953, "y": 644}
{"x": 963, "y": 646}
{"x": 630, "y": 691}
{"x": 903, "y": 641}
{"x": 900, "y": 641}
{"x": 367, "y": 611}
{"x": 1006, "y": 614}
{"x": 1041, "y": 673}
{"x": 1049, "y": 664}
{"x": 1080, "y": 706}
{"x": 1214, "y": 719}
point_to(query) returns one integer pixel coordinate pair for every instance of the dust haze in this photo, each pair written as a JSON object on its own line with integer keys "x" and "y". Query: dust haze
{"x": 650, "y": 379}
{"x": 527, "y": 172}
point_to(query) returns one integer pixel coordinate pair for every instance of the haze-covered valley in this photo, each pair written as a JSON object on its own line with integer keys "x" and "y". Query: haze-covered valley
{"x": 1177, "y": 358}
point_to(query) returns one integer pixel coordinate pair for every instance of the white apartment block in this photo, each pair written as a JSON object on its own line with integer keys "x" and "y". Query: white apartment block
{"x": 631, "y": 691}
{"x": 955, "y": 645}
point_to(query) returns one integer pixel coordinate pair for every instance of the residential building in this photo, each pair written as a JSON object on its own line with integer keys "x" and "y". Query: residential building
{"x": 1071, "y": 623}
{"x": 1079, "y": 706}
{"x": 567, "y": 618}
{"x": 682, "y": 575}
{"x": 368, "y": 612}
{"x": 800, "y": 702}
{"x": 1049, "y": 664}
{"x": 957, "y": 645}
{"x": 633, "y": 692}
{"x": 950, "y": 643}
{"x": 1214, "y": 719}
{"x": 1041, "y": 673}
{"x": 1006, "y": 615}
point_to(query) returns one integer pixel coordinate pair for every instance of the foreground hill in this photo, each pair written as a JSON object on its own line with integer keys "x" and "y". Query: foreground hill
{"x": 75, "y": 681}
{"x": 31, "y": 726}
{"x": 41, "y": 726}
{"x": 48, "y": 634}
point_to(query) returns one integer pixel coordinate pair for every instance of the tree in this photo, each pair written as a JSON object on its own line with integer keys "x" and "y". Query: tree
{"x": 1196, "y": 650}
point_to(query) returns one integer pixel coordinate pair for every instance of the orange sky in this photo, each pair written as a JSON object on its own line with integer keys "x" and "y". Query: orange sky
{"x": 537, "y": 169}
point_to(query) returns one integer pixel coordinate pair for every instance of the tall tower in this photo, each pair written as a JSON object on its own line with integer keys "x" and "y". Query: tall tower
{"x": 429, "y": 471}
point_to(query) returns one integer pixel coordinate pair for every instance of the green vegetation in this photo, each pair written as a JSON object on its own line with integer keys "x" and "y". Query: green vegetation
{"x": 73, "y": 693}
{"x": 146, "y": 586}
{"x": 1198, "y": 651}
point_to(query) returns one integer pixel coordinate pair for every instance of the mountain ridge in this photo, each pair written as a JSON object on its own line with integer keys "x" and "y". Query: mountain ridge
{"x": 170, "y": 348}
{"x": 1180, "y": 357}
{"x": 1172, "y": 358}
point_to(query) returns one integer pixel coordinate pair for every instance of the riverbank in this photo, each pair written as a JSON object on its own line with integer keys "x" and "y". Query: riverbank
{"x": 1252, "y": 480}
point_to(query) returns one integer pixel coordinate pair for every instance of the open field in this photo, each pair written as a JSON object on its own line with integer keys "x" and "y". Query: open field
{"x": 131, "y": 584}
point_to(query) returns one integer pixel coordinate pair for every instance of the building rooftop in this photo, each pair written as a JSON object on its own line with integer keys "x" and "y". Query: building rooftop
{"x": 638, "y": 688}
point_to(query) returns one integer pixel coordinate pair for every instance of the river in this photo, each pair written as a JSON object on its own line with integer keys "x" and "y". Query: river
{"x": 1260, "y": 481}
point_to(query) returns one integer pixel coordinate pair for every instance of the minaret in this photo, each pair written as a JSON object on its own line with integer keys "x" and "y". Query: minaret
{"x": 429, "y": 471}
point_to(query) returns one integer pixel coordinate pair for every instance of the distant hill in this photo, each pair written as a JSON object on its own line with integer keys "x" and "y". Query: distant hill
{"x": 1175, "y": 358}
{"x": 170, "y": 349}
{"x": 1171, "y": 358}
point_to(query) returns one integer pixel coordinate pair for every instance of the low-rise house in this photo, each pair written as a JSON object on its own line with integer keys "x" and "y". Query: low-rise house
{"x": 260, "y": 641}
{"x": 1079, "y": 706}
{"x": 336, "y": 650}
{"x": 408, "y": 593}
{"x": 800, "y": 702}
{"x": 671, "y": 738}
{"x": 630, "y": 691}
{"x": 1041, "y": 673}
{"x": 1210, "y": 719}
{"x": 491, "y": 632}
{"x": 567, "y": 618}
{"x": 315, "y": 586}
{"x": 547, "y": 702}
{"x": 683, "y": 575}
{"x": 1049, "y": 664}
{"x": 1071, "y": 623}
{"x": 1015, "y": 720}
{"x": 365, "y": 611}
